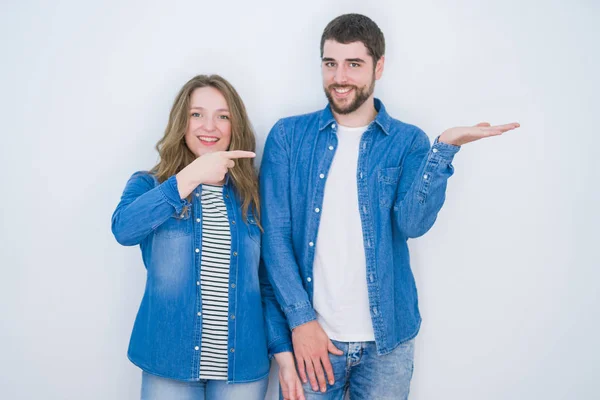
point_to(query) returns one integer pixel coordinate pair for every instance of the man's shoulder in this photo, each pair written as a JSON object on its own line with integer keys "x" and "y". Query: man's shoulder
{"x": 296, "y": 126}
{"x": 405, "y": 128}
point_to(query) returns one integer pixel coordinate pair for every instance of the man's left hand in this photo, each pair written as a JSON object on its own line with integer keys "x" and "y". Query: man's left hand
{"x": 466, "y": 134}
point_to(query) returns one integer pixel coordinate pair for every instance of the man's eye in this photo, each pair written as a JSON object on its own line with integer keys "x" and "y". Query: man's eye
{"x": 329, "y": 64}
{"x": 354, "y": 65}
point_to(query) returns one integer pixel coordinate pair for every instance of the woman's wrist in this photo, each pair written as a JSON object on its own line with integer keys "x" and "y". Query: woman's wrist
{"x": 185, "y": 185}
{"x": 285, "y": 359}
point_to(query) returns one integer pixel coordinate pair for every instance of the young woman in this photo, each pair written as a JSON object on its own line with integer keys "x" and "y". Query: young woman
{"x": 200, "y": 331}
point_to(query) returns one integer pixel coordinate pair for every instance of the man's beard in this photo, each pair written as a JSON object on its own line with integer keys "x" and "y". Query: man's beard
{"x": 360, "y": 96}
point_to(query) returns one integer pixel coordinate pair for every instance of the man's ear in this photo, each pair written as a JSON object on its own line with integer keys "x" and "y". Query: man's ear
{"x": 379, "y": 67}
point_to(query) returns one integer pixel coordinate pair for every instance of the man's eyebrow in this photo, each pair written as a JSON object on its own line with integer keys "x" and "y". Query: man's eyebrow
{"x": 329, "y": 59}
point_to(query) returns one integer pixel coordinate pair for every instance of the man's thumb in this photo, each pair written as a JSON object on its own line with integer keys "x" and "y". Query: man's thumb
{"x": 334, "y": 350}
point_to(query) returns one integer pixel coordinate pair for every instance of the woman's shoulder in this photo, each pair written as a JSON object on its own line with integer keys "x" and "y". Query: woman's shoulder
{"x": 145, "y": 179}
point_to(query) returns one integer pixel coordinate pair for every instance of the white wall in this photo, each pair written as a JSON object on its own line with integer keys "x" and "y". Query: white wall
{"x": 508, "y": 277}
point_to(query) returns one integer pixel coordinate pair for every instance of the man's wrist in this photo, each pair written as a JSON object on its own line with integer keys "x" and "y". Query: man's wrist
{"x": 306, "y": 324}
{"x": 446, "y": 138}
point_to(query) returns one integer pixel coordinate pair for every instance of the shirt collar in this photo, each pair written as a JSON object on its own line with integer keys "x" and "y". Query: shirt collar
{"x": 382, "y": 119}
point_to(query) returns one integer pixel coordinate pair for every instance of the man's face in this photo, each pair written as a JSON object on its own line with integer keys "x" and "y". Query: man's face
{"x": 348, "y": 75}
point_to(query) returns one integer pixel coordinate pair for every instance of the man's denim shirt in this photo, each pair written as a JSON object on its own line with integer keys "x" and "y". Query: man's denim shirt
{"x": 401, "y": 183}
{"x": 167, "y": 334}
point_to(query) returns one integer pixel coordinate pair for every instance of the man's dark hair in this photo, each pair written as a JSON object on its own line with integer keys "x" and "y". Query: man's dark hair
{"x": 350, "y": 28}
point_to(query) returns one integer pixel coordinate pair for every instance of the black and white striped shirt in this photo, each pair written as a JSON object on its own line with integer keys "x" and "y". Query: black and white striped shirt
{"x": 214, "y": 280}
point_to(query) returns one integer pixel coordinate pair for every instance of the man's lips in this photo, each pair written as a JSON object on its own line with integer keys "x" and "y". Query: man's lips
{"x": 342, "y": 92}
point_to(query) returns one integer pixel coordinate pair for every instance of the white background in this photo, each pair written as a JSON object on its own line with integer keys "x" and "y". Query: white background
{"x": 508, "y": 277}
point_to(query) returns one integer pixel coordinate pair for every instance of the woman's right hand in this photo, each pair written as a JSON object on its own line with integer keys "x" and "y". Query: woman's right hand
{"x": 290, "y": 384}
{"x": 209, "y": 168}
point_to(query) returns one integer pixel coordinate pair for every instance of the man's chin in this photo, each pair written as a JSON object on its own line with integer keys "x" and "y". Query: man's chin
{"x": 341, "y": 107}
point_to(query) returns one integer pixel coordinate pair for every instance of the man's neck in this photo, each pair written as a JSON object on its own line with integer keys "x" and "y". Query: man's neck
{"x": 361, "y": 117}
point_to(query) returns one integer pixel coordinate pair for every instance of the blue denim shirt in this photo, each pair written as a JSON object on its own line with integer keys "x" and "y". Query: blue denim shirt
{"x": 401, "y": 183}
{"x": 167, "y": 334}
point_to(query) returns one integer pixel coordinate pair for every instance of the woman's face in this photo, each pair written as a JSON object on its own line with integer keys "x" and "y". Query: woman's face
{"x": 209, "y": 126}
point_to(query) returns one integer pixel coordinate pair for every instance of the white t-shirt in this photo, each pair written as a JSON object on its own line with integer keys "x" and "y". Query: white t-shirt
{"x": 340, "y": 296}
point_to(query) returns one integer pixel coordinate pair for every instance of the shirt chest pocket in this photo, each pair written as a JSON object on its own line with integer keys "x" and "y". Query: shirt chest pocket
{"x": 387, "y": 180}
{"x": 175, "y": 226}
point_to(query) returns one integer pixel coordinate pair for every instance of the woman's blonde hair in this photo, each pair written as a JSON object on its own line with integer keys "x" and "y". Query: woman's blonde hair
{"x": 175, "y": 155}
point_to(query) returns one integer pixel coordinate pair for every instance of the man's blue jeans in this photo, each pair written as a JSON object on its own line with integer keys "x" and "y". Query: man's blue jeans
{"x": 367, "y": 376}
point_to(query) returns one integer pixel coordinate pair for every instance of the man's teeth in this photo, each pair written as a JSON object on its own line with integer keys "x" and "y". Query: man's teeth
{"x": 344, "y": 90}
{"x": 208, "y": 139}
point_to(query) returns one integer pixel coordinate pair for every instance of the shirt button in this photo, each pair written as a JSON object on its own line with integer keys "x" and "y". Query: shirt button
{"x": 197, "y": 250}
{"x": 199, "y": 314}
{"x": 332, "y": 126}
{"x": 371, "y": 277}
{"x": 197, "y": 219}
{"x": 232, "y": 222}
{"x": 235, "y": 253}
{"x": 425, "y": 176}
{"x": 330, "y": 147}
{"x": 233, "y": 285}
{"x": 232, "y": 350}
{"x": 364, "y": 145}
{"x": 311, "y": 244}
{"x": 365, "y": 209}
{"x": 361, "y": 175}
{"x": 322, "y": 176}
{"x": 308, "y": 279}
{"x": 197, "y": 194}
{"x": 232, "y": 316}
{"x": 375, "y": 310}
{"x": 317, "y": 210}
{"x": 196, "y": 348}
{"x": 197, "y": 283}
{"x": 435, "y": 150}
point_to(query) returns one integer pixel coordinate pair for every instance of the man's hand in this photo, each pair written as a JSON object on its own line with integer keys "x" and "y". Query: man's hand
{"x": 311, "y": 348}
{"x": 466, "y": 134}
{"x": 291, "y": 387}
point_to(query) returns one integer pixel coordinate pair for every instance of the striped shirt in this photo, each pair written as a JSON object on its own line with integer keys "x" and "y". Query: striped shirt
{"x": 214, "y": 280}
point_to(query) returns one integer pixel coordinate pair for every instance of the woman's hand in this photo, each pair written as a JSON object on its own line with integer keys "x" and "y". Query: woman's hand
{"x": 290, "y": 384}
{"x": 209, "y": 168}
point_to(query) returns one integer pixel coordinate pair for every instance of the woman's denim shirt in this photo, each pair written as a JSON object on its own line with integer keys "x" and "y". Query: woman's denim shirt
{"x": 167, "y": 334}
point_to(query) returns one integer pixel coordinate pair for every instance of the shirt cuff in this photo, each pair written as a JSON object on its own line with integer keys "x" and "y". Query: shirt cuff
{"x": 444, "y": 150}
{"x": 280, "y": 346}
{"x": 171, "y": 194}
{"x": 299, "y": 314}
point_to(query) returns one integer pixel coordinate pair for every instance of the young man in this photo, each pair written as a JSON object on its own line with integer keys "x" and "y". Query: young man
{"x": 342, "y": 190}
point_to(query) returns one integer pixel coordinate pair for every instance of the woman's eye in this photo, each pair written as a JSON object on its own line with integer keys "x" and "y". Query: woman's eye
{"x": 196, "y": 115}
